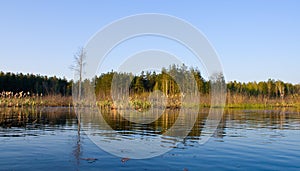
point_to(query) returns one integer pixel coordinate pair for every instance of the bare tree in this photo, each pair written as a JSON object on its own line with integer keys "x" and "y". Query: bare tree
{"x": 78, "y": 68}
{"x": 79, "y": 63}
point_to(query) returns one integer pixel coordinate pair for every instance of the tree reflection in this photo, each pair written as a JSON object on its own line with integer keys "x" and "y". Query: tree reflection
{"x": 35, "y": 117}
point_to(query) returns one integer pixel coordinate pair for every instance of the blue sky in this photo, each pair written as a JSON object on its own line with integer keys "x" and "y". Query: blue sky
{"x": 255, "y": 39}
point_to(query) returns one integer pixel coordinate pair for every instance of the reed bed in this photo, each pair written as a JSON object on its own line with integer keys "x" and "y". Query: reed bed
{"x": 141, "y": 101}
{"x": 244, "y": 101}
{"x": 25, "y": 99}
{"x": 232, "y": 101}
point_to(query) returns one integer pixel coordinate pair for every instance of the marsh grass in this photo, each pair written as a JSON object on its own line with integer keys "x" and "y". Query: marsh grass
{"x": 262, "y": 102}
{"x": 21, "y": 99}
{"x": 141, "y": 102}
{"x": 232, "y": 101}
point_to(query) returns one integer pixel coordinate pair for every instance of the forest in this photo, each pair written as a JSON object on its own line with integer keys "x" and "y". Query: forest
{"x": 147, "y": 82}
{"x": 34, "y": 84}
{"x": 260, "y": 94}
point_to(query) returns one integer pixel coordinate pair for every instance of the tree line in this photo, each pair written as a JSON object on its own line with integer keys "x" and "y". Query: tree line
{"x": 270, "y": 89}
{"x": 144, "y": 83}
{"x": 34, "y": 84}
{"x": 150, "y": 81}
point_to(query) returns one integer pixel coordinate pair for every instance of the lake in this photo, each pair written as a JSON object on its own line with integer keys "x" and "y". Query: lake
{"x": 49, "y": 139}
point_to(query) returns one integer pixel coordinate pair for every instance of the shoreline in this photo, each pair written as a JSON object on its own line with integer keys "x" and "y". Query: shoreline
{"x": 141, "y": 106}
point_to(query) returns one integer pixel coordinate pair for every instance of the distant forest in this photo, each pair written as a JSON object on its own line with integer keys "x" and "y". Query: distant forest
{"x": 145, "y": 82}
{"x": 34, "y": 84}
{"x": 149, "y": 81}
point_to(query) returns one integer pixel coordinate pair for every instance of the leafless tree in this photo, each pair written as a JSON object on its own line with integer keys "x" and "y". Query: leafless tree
{"x": 78, "y": 67}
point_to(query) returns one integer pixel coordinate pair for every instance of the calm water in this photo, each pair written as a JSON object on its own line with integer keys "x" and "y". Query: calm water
{"x": 48, "y": 138}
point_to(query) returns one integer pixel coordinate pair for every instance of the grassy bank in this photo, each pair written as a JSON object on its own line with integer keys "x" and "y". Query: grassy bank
{"x": 141, "y": 102}
{"x": 21, "y": 99}
{"x": 232, "y": 101}
{"x": 262, "y": 102}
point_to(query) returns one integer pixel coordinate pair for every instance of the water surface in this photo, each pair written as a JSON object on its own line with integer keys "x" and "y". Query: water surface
{"x": 48, "y": 138}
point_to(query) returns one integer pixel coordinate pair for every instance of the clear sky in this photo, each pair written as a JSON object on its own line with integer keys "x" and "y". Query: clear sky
{"x": 255, "y": 39}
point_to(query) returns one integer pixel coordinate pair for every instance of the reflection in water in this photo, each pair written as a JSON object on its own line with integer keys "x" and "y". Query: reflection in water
{"x": 46, "y": 118}
{"x": 273, "y": 119}
{"x": 239, "y": 132}
{"x": 21, "y": 122}
{"x": 34, "y": 119}
{"x": 119, "y": 136}
{"x": 77, "y": 149}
